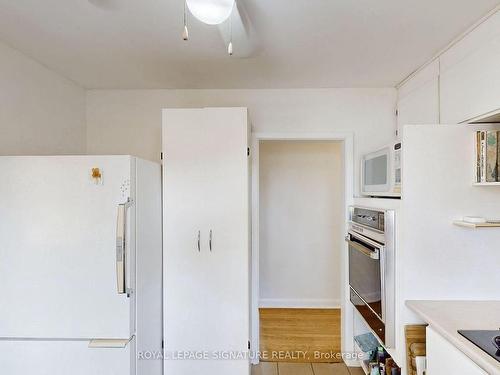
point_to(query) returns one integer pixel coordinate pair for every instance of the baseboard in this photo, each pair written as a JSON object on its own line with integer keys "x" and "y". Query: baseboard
{"x": 299, "y": 303}
{"x": 352, "y": 363}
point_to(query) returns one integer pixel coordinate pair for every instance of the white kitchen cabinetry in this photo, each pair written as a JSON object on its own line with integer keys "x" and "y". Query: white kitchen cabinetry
{"x": 444, "y": 358}
{"x": 470, "y": 74}
{"x": 206, "y": 238}
{"x": 418, "y": 98}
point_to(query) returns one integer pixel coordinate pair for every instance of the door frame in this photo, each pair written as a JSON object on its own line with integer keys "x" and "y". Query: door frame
{"x": 347, "y": 139}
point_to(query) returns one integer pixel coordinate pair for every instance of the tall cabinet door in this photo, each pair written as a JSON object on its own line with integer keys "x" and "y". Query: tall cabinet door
{"x": 206, "y": 236}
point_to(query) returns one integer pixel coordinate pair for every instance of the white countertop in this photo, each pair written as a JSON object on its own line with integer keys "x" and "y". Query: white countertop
{"x": 446, "y": 317}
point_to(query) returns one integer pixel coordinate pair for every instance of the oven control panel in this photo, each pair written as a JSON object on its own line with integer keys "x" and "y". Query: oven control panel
{"x": 370, "y": 218}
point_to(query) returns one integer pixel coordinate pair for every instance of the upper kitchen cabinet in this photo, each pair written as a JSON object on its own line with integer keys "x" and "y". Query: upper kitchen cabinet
{"x": 470, "y": 74}
{"x": 418, "y": 98}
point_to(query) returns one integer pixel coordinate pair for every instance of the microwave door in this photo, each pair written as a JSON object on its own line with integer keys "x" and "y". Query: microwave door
{"x": 376, "y": 170}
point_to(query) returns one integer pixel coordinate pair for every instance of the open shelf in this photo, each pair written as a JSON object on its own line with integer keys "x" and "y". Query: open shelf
{"x": 483, "y": 161}
{"x": 363, "y": 364}
{"x": 476, "y": 225}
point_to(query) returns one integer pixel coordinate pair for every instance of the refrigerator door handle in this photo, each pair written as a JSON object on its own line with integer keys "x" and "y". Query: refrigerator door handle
{"x": 210, "y": 241}
{"x": 198, "y": 241}
{"x": 109, "y": 343}
{"x": 121, "y": 243}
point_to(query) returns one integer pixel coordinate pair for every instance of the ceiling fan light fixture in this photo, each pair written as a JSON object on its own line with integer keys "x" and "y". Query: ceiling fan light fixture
{"x": 211, "y": 12}
{"x": 185, "y": 31}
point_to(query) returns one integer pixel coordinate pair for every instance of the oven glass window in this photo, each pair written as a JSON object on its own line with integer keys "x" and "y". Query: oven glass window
{"x": 376, "y": 171}
{"x": 364, "y": 278}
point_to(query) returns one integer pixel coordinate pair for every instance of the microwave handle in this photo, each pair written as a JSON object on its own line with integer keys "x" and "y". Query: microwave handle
{"x": 364, "y": 250}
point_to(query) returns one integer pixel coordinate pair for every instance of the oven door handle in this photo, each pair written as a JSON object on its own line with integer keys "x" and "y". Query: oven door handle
{"x": 373, "y": 254}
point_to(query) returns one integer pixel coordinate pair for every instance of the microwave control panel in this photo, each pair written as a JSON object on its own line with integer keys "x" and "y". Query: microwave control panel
{"x": 397, "y": 164}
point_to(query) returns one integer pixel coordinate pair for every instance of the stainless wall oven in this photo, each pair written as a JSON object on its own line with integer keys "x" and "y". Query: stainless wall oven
{"x": 371, "y": 242}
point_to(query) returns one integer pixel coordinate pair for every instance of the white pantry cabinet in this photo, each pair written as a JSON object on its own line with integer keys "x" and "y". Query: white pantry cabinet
{"x": 444, "y": 358}
{"x": 206, "y": 240}
{"x": 418, "y": 98}
{"x": 470, "y": 74}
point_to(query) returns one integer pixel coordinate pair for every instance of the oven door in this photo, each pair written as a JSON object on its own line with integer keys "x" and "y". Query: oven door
{"x": 366, "y": 272}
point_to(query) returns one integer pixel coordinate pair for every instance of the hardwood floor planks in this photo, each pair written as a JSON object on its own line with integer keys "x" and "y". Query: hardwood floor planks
{"x": 300, "y": 335}
{"x": 294, "y": 369}
{"x": 282, "y": 368}
{"x": 265, "y": 368}
{"x": 330, "y": 369}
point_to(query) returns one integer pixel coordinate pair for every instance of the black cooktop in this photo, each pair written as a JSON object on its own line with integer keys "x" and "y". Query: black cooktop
{"x": 485, "y": 340}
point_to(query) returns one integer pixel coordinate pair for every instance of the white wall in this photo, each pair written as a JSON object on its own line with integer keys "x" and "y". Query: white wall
{"x": 436, "y": 259}
{"x": 129, "y": 121}
{"x": 448, "y": 262}
{"x": 41, "y": 112}
{"x": 301, "y": 218}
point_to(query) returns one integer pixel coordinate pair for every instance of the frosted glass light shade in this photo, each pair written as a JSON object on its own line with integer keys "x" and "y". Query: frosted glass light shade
{"x": 211, "y": 12}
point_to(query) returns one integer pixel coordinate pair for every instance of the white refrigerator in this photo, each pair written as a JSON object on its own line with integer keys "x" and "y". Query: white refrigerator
{"x": 80, "y": 266}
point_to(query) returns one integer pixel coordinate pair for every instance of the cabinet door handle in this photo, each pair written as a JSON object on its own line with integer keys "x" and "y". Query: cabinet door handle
{"x": 199, "y": 236}
{"x": 210, "y": 241}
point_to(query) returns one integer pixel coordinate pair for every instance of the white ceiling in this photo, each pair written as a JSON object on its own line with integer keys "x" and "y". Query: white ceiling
{"x": 300, "y": 43}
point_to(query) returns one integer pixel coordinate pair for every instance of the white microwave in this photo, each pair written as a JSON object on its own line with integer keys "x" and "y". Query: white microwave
{"x": 381, "y": 172}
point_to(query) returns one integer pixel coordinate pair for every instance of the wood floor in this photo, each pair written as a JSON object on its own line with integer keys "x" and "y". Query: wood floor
{"x": 300, "y": 335}
{"x": 282, "y": 368}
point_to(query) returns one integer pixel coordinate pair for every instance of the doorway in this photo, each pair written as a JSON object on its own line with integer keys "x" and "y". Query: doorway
{"x": 299, "y": 194}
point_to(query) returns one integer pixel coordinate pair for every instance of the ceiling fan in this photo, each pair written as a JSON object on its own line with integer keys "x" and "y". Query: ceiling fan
{"x": 229, "y": 16}
{"x": 219, "y": 13}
